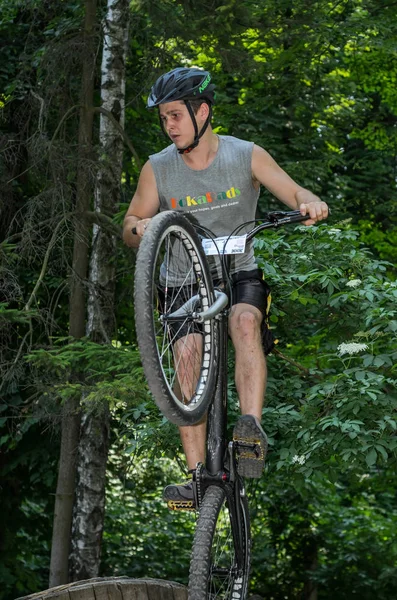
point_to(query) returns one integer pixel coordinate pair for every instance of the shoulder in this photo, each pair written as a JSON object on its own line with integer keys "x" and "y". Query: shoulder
{"x": 146, "y": 176}
{"x": 237, "y": 152}
{"x": 165, "y": 154}
{"x": 236, "y": 149}
{"x": 230, "y": 140}
{"x": 260, "y": 155}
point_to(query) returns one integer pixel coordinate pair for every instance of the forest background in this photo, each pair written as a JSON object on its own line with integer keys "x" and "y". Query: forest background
{"x": 315, "y": 83}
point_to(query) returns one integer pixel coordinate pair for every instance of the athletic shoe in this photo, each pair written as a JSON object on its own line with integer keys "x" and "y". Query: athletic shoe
{"x": 251, "y": 446}
{"x": 180, "y": 497}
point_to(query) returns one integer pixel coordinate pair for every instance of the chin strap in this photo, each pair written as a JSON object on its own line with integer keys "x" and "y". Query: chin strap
{"x": 197, "y": 135}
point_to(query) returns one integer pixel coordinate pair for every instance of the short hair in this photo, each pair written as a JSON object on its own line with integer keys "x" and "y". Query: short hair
{"x": 196, "y": 103}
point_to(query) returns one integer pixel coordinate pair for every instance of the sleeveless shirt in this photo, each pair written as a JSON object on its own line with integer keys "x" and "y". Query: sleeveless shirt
{"x": 220, "y": 197}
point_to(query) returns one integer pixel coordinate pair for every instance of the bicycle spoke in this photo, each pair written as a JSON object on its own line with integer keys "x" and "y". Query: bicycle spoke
{"x": 223, "y": 559}
{"x": 214, "y": 569}
{"x": 172, "y": 270}
{"x": 183, "y": 365}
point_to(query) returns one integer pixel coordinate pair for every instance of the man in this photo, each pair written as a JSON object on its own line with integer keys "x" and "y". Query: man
{"x": 200, "y": 169}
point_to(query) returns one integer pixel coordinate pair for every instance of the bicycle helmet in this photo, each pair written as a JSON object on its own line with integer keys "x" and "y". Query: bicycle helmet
{"x": 184, "y": 84}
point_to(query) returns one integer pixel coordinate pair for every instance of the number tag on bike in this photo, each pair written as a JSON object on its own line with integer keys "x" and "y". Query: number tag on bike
{"x": 234, "y": 244}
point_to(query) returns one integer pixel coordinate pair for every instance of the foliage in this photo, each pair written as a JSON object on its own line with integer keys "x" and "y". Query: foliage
{"x": 27, "y": 474}
{"x": 314, "y": 83}
{"x": 111, "y": 374}
{"x": 133, "y": 546}
{"x": 342, "y": 308}
{"x": 338, "y": 537}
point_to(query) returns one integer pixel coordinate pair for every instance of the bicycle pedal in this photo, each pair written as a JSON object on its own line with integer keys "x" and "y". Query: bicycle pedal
{"x": 250, "y": 463}
{"x": 250, "y": 444}
{"x": 250, "y": 449}
{"x": 250, "y": 457}
{"x": 181, "y": 505}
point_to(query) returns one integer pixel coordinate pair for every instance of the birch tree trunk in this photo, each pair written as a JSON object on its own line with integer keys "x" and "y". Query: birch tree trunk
{"x": 94, "y": 435}
{"x": 77, "y": 311}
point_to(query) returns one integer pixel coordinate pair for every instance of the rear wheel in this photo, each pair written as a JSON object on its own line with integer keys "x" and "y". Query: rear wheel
{"x": 172, "y": 285}
{"x": 220, "y": 561}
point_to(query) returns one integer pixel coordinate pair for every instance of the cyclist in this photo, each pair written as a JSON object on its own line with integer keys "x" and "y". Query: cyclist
{"x": 216, "y": 179}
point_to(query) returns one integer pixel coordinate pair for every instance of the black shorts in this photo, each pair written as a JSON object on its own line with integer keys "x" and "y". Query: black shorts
{"x": 248, "y": 287}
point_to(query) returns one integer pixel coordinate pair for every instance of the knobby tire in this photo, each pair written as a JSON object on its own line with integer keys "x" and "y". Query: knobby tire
{"x": 214, "y": 548}
{"x": 170, "y": 225}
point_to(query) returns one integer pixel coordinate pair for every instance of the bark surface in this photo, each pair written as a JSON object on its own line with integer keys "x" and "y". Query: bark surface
{"x": 94, "y": 434}
{"x": 70, "y": 422}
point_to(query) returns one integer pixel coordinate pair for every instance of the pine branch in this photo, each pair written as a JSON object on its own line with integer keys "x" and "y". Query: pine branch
{"x": 45, "y": 262}
{"x": 65, "y": 116}
{"x": 103, "y": 221}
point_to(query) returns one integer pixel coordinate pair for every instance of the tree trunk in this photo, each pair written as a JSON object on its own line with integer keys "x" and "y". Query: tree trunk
{"x": 310, "y": 590}
{"x": 77, "y": 310}
{"x": 94, "y": 436}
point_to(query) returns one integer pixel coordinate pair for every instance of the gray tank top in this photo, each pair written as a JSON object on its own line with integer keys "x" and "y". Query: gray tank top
{"x": 220, "y": 197}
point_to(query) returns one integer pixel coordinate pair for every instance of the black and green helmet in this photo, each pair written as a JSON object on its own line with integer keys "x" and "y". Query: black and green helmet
{"x": 182, "y": 84}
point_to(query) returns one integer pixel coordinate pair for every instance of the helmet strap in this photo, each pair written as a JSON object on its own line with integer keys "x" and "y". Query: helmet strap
{"x": 197, "y": 135}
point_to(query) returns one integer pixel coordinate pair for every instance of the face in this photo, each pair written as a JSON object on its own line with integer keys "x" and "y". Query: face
{"x": 177, "y": 122}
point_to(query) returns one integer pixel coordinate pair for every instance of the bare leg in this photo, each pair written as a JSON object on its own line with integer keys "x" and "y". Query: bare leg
{"x": 193, "y": 442}
{"x": 250, "y": 372}
{"x": 250, "y": 375}
{"x": 188, "y": 351}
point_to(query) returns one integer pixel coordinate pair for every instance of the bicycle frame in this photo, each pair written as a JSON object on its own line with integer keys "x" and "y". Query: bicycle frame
{"x": 217, "y": 414}
{"x": 219, "y": 453}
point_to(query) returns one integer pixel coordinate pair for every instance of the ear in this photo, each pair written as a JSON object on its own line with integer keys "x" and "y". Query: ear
{"x": 204, "y": 111}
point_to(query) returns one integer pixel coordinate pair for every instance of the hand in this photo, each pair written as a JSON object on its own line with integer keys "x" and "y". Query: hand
{"x": 317, "y": 210}
{"x": 141, "y": 226}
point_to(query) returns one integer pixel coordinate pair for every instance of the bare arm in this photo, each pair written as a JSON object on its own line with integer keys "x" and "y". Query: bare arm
{"x": 144, "y": 205}
{"x": 266, "y": 171}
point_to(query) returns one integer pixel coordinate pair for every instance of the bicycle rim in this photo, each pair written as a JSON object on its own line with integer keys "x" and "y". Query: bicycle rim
{"x": 178, "y": 353}
{"x": 220, "y": 562}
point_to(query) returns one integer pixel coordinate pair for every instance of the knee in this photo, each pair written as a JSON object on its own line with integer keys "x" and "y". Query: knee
{"x": 244, "y": 325}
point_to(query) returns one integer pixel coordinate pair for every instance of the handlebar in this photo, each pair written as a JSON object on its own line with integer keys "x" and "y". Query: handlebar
{"x": 276, "y": 219}
{"x": 272, "y": 219}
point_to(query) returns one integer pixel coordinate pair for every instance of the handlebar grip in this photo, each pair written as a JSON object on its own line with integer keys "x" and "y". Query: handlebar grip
{"x": 277, "y": 218}
{"x": 298, "y": 218}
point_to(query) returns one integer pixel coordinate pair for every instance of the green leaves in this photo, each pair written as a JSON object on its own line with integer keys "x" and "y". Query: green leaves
{"x": 332, "y": 315}
{"x": 315, "y": 85}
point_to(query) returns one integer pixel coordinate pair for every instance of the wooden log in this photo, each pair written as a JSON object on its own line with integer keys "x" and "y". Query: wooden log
{"x": 114, "y": 588}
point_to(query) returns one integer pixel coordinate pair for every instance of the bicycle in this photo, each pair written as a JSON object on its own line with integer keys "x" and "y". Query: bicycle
{"x": 181, "y": 322}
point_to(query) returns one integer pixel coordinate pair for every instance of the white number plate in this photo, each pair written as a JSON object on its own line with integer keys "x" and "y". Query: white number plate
{"x": 234, "y": 244}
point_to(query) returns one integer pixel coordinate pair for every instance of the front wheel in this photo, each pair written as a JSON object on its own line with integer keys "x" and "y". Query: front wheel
{"x": 220, "y": 560}
{"x": 173, "y": 285}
